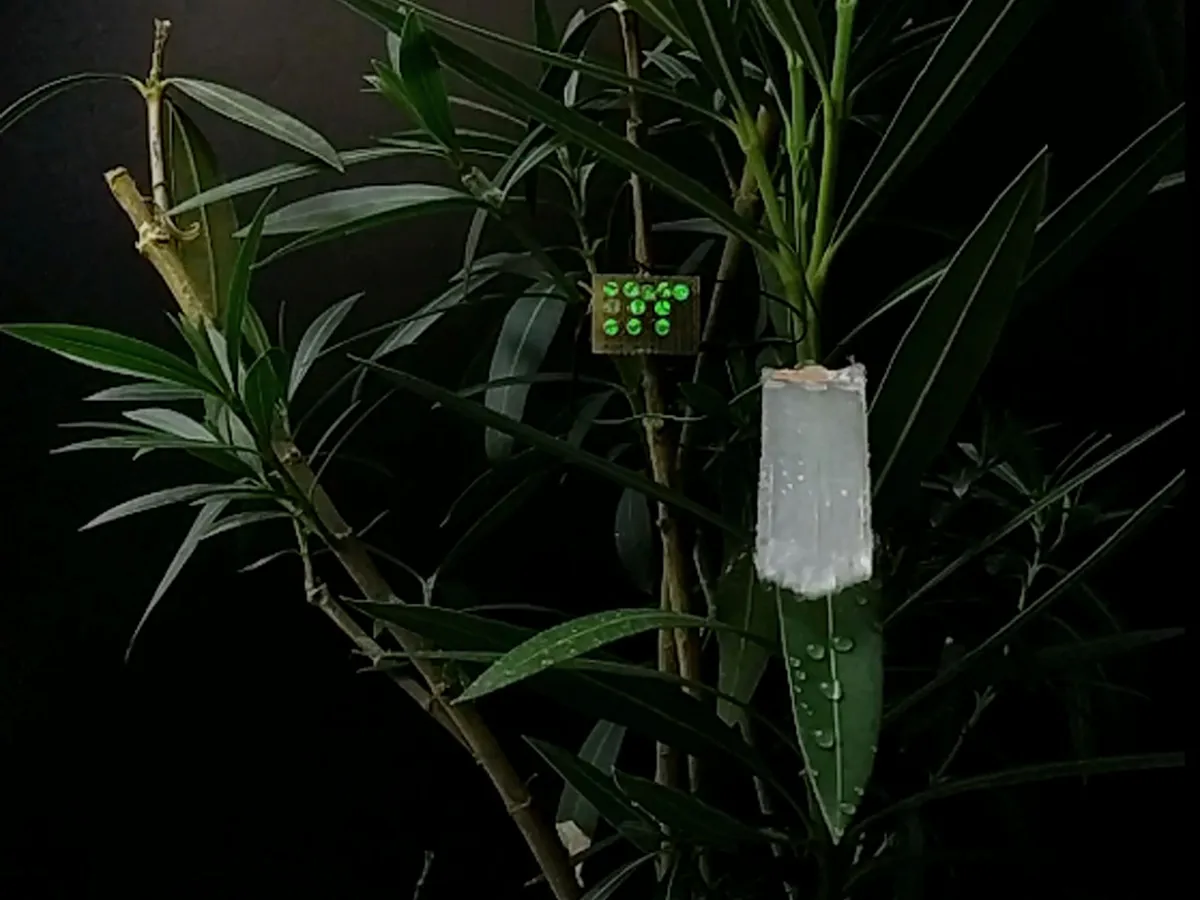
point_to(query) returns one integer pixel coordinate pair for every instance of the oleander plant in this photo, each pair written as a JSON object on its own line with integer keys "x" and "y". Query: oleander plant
{"x": 777, "y": 747}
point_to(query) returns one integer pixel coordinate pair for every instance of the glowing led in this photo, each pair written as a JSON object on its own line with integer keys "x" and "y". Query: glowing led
{"x": 662, "y": 307}
{"x": 662, "y": 327}
{"x": 637, "y": 307}
{"x": 634, "y": 327}
{"x": 631, "y": 289}
{"x": 611, "y": 289}
{"x": 681, "y": 291}
{"x": 612, "y": 327}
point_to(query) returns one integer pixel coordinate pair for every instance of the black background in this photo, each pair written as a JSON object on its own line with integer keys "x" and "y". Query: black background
{"x": 237, "y": 748}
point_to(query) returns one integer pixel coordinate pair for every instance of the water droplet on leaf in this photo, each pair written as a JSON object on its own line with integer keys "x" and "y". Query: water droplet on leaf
{"x": 823, "y": 739}
{"x": 816, "y": 651}
{"x": 843, "y": 644}
{"x": 832, "y": 690}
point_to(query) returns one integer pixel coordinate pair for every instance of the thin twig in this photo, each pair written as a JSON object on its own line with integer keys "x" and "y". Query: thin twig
{"x": 679, "y": 651}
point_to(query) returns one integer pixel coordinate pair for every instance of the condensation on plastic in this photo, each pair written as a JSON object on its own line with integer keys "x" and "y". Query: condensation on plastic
{"x": 814, "y": 487}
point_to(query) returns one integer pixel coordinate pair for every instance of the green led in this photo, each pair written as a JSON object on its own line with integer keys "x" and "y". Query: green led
{"x": 612, "y": 327}
{"x": 634, "y": 327}
{"x": 681, "y": 291}
{"x": 662, "y": 327}
{"x": 631, "y": 289}
{"x": 611, "y": 289}
{"x": 662, "y": 307}
{"x": 647, "y": 292}
{"x": 637, "y": 307}
{"x": 664, "y": 289}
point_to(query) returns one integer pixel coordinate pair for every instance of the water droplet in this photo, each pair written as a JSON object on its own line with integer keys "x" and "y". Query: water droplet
{"x": 847, "y": 809}
{"x": 842, "y": 644}
{"x": 861, "y": 600}
{"x": 832, "y": 690}
{"x": 801, "y": 675}
{"x": 823, "y": 738}
{"x": 816, "y": 651}
{"x": 806, "y": 708}
{"x": 858, "y": 792}
{"x": 844, "y": 492}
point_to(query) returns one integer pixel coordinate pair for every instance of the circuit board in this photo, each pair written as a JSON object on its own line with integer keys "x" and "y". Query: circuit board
{"x": 636, "y": 314}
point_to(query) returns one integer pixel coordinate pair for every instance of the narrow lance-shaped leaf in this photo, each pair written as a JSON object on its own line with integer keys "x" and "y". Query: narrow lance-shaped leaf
{"x": 387, "y": 16}
{"x": 1074, "y": 228}
{"x": 743, "y": 602}
{"x": 27, "y": 103}
{"x": 656, "y": 710}
{"x": 170, "y": 421}
{"x": 573, "y": 639}
{"x": 156, "y": 500}
{"x": 315, "y": 337}
{"x": 594, "y": 786}
{"x": 548, "y": 444}
{"x": 280, "y": 174}
{"x": 337, "y": 214}
{"x": 600, "y": 750}
{"x": 575, "y": 125}
{"x": 633, "y": 530}
{"x": 1041, "y": 603}
{"x": 112, "y": 352}
{"x": 714, "y": 35}
{"x": 833, "y": 652}
{"x": 941, "y": 356}
{"x": 685, "y": 817}
{"x": 262, "y": 117}
{"x": 417, "y": 66}
{"x": 208, "y": 257}
{"x": 234, "y": 314}
{"x": 208, "y": 514}
{"x": 979, "y": 41}
{"x": 521, "y": 348}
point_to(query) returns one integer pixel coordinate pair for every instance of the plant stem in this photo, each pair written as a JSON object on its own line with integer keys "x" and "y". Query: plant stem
{"x": 744, "y": 201}
{"x": 679, "y": 651}
{"x": 354, "y": 557}
{"x": 832, "y": 114}
{"x": 797, "y": 147}
{"x": 153, "y": 92}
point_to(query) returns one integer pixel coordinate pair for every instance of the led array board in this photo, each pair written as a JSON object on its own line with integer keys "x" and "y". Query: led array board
{"x": 636, "y": 314}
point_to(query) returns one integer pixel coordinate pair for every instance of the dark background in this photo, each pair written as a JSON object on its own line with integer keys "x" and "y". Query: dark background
{"x": 237, "y": 748}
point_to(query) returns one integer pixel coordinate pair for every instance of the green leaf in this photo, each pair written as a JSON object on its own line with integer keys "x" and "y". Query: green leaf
{"x": 606, "y": 888}
{"x": 192, "y": 168}
{"x": 315, "y": 337}
{"x": 545, "y": 35}
{"x": 234, "y": 317}
{"x": 661, "y": 14}
{"x": 796, "y": 27}
{"x": 277, "y": 175}
{"x": 833, "y": 653}
{"x": 570, "y": 640}
{"x": 1035, "y": 774}
{"x": 1040, "y": 604}
{"x": 600, "y": 752}
{"x": 337, "y": 214}
{"x": 1069, "y": 233}
{"x": 112, "y": 352}
{"x": 980, "y": 40}
{"x": 547, "y": 443}
{"x": 254, "y": 113}
{"x": 26, "y": 104}
{"x": 574, "y": 41}
{"x": 1175, "y": 179}
{"x": 243, "y": 519}
{"x": 521, "y": 348}
{"x": 417, "y": 66}
{"x": 142, "y": 391}
{"x": 941, "y": 356}
{"x": 1044, "y": 502}
{"x": 262, "y": 393}
{"x": 658, "y": 710}
{"x": 156, "y": 500}
{"x": 386, "y": 16}
{"x": 685, "y": 817}
{"x": 208, "y": 514}
{"x": 499, "y": 513}
{"x": 171, "y": 422}
{"x": 1102, "y": 648}
{"x": 747, "y": 604}
{"x": 578, "y": 127}
{"x": 593, "y": 785}
{"x": 714, "y": 36}
{"x": 634, "y": 533}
